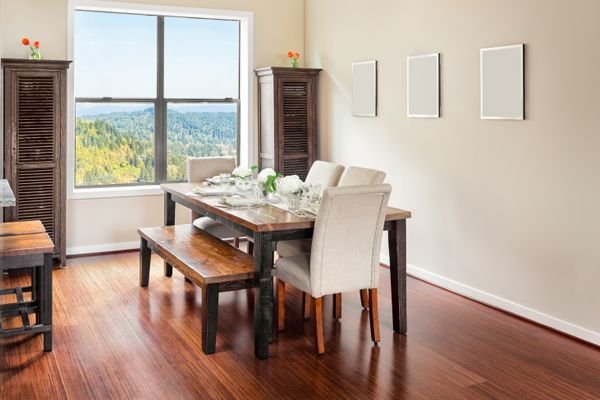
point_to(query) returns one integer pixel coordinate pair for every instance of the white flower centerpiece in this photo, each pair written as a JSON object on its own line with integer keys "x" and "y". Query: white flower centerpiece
{"x": 242, "y": 172}
{"x": 242, "y": 176}
{"x": 291, "y": 188}
{"x": 267, "y": 181}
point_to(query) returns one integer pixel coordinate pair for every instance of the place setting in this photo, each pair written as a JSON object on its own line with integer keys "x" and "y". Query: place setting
{"x": 247, "y": 188}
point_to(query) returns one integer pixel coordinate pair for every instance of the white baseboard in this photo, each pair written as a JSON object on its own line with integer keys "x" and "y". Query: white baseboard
{"x": 501, "y": 303}
{"x": 102, "y": 248}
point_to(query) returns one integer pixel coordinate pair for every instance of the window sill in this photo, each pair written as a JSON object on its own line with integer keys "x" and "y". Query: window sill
{"x": 109, "y": 192}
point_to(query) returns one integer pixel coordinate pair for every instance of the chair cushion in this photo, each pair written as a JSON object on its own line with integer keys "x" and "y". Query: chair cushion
{"x": 295, "y": 271}
{"x": 215, "y": 228}
{"x": 289, "y": 248}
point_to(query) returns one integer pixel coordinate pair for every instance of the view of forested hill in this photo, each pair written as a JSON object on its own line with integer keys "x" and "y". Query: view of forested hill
{"x": 118, "y": 147}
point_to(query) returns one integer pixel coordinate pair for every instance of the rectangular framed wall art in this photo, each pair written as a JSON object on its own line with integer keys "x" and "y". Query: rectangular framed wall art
{"x": 364, "y": 89}
{"x": 502, "y": 82}
{"x": 423, "y": 86}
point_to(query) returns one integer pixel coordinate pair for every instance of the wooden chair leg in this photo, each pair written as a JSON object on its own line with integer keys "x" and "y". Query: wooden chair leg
{"x": 337, "y": 306}
{"x": 319, "y": 340}
{"x": 145, "y": 254}
{"x": 210, "y": 308}
{"x": 364, "y": 298}
{"x": 374, "y": 316}
{"x": 306, "y": 299}
{"x": 280, "y": 305}
{"x": 236, "y": 242}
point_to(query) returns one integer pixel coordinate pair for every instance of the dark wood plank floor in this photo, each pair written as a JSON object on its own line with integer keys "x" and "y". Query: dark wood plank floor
{"x": 115, "y": 340}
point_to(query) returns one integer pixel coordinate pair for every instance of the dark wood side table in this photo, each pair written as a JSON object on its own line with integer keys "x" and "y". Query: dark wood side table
{"x": 20, "y": 248}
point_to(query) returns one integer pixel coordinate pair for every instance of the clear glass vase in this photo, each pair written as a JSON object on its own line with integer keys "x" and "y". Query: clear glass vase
{"x": 35, "y": 54}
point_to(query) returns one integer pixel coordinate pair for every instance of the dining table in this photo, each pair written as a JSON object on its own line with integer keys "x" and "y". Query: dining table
{"x": 268, "y": 224}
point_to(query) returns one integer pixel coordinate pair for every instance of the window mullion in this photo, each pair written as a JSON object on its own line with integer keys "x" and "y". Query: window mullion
{"x": 161, "y": 106}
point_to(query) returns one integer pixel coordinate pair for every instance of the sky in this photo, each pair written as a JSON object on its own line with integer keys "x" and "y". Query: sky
{"x": 115, "y": 56}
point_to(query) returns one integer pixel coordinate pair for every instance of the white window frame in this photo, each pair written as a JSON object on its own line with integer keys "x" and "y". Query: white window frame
{"x": 247, "y": 145}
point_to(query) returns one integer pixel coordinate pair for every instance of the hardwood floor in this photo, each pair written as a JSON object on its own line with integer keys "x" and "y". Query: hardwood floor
{"x": 115, "y": 340}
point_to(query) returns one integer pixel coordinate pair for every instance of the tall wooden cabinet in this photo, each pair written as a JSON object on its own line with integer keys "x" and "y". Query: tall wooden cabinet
{"x": 287, "y": 119}
{"x": 35, "y": 143}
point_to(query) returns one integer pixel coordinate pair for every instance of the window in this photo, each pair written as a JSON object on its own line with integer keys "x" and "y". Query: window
{"x": 151, "y": 91}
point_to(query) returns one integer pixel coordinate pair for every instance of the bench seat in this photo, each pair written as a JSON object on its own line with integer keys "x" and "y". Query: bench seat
{"x": 21, "y": 228}
{"x": 206, "y": 260}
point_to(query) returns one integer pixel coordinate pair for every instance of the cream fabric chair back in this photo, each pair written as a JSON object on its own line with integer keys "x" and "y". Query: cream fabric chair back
{"x": 353, "y": 176}
{"x": 347, "y": 239}
{"x": 201, "y": 168}
{"x": 324, "y": 172}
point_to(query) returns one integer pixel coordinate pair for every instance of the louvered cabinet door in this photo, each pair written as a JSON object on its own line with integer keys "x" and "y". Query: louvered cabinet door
{"x": 287, "y": 119}
{"x": 34, "y": 153}
{"x": 296, "y": 117}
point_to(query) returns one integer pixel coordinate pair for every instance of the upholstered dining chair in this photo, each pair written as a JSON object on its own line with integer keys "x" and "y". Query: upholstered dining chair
{"x": 344, "y": 253}
{"x": 356, "y": 176}
{"x": 200, "y": 169}
{"x": 351, "y": 176}
{"x": 326, "y": 174}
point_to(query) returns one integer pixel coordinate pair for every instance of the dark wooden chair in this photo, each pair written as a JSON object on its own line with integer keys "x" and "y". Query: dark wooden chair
{"x": 203, "y": 259}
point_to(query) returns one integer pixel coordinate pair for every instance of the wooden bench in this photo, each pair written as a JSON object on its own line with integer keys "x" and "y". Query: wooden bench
{"x": 205, "y": 260}
{"x": 27, "y": 245}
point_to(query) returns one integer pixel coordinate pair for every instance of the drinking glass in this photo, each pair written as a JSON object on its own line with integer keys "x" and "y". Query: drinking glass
{"x": 314, "y": 192}
{"x": 231, "y": 185}
{"x": 224, "y": 179}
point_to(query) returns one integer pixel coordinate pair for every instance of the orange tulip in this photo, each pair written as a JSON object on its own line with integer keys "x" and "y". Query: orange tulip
{"x": 36, "y": 45}
{"x": 290, "y": 54}
{"x": 297, "y": 55}
{"x": 25, "y": 41}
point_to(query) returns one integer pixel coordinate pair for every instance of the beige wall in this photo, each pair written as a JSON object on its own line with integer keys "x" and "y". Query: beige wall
{"x": 505, "y": 211}
{"x": 94, "y": 223}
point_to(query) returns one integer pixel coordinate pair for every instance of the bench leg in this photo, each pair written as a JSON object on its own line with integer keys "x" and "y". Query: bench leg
{"x": 168, "y": 270}
{"x": 36, "y": 278}
{"x": 210, "y": 310}
{"x": 46, "y": 299}
{"x": 145, "y": 254}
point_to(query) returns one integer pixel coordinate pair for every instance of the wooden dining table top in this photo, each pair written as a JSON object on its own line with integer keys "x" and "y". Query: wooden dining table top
{"x": 258, "y": 219}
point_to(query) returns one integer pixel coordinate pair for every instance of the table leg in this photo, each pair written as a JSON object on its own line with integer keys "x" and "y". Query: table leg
{"x": 169, "y": 219}
{"x": 397, "y": 248}
{"x": 45, "y": 297}
{"x": 263, "y": 305}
